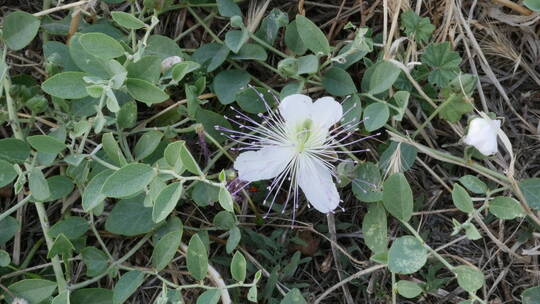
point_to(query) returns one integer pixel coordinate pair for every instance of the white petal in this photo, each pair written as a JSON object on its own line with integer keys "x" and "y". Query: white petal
{"x": 262, "y": 164}
{"x": 482, "y": 134}
{"x": 316, "y": 182}
{"x": 326, "y": 112}
{"x": 295, "y": 108}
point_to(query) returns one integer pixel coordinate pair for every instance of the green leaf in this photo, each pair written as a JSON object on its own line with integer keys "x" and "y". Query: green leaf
{"x": 455, "y": 106}
{"x": 235, "y": 39}
{"x": 204, "y": 194}
{"x": 38, "y": 185}
{"x": 60, "y": 186}
{"x": 88, "y": 63}
{"x": 197, "y": 258}
{"x": 129, "y": 217}
{"x": 473, "y": 184}
{"x": 250, "y": 101}
{"x": 225, "y": 199}
{"x": 401, "y": 100}
{"x": 238, "y": 267}
{"x": 92, "y": 195}
{"x": 366, "y": 185}
{"x": 252, "y": 294}
{"x": 5, "y": 259}
{"x": 66, "y": 85}
{"x": 147, "y": 68}
{"x": 92, "y": 296}
{"x": 147, "y": 144}
{"x": 380, "y": 77}
{"x": 531, "y": 295}
{"x": 46, "y": 144}
{"x": 234, "y": 239}
{"x": 397, "y": 196}
{"x": 9, "y": 227}
{"x": 417, "y": 27}
{"x": 531, "y": 190}
{"x": 461, "y": 199}
{"x": 62, "y": 298}
{"x": 127, "y": 285}
{"x": 444, "y": 63}
{"x": 101, "y": 45}
{"x": 228, "y": 83}
{"x": 374, "y": 228}
{"x": 144, "y": 91}
{"x": 14, "y": 150}
{"x": 471, "y": 232}
{"x": 96, "y": 261}
{"x": 469, "y": 278}
{"x": 180, "y": 70}
{"x": 165, "y": 249}
{"x": 172, "y": 154}
{"x": 7, "y": 173}
{"x": 293, "y": 297}
{"x": 72, "y": 227}
{"x": 34, "y": 291}
{"x": 20, "y": 28}
{"x": 228, "y": 8}
{"x": 405, "y": 152}
{"x": 292, "y": 39}
{"x": 224, "y": 220}
{"x": 163, "y": 47}
{"x": 212, "y": 54}
{"x": 61, "y": 246}
{"x": 375, "y": 116}
{"x": 506, "y": 208}
{"x": 166, "y": 201}
{"x": 406, "y": 255}
{"x": 188, "y": 161}
{"x": 127, "y": 20}
{"x": 338, "y": 82}
{"x": 408, "y": 289}
{"x": 127, "y": 116}
{"x": 112, "y": 149}
{"x": 251, "y": 51}
{"x": 130, "y": 179}
{"x": 210, "y": 296}
{"x": 312, "y": 37}
{"x": 533, "y": 5}
{"x": 309, "y": 64}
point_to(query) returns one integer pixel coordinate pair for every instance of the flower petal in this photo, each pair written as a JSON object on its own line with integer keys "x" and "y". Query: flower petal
{"x": 482, "y": 134}
{"x": 316, "y": 182}
{"x": 295, "y": 108}
{"x": 262, "y": 164}
{"x": 326, "y": 111}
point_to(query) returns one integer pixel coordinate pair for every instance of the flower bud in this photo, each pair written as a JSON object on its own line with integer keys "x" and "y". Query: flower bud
{"x": 288, "y": 67}
{"x": 482, "y": 135}
{"x": 168, "y": 62}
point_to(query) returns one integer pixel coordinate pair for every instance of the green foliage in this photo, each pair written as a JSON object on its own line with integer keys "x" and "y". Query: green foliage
{"x": 397, "y": 196}
{"x": 19, "y": 29}
{"x": 312, "y": 37}
{"x": 406, "y": 255}
{"x": 417, "y": 27}
{"x": 443, "y": 61}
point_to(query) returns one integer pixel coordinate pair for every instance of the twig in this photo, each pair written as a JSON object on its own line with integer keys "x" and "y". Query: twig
{"x": 60, "y": 8}
{"x": 332, "y": 231}
{"x": 347, "y": 280}
{"x": 514, "y": 6}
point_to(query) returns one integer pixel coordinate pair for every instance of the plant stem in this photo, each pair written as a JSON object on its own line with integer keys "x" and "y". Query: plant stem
{"x": 58, "y": 273}
{"x": 14, "y": 208}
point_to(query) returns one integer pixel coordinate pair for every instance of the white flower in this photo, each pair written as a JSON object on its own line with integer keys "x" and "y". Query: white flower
{"x": 482, "y": 134}
{"x": 168, "y": 62}
{"x": 296, "y": 143}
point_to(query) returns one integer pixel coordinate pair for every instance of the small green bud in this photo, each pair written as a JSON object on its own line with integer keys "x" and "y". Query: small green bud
{"x": 288, "y": 67}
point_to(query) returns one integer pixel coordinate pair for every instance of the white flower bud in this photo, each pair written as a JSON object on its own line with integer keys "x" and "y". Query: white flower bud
{"x": 482, "y": 135}
{"x": 19, "y": 301}
{"x": 168, "y": 62}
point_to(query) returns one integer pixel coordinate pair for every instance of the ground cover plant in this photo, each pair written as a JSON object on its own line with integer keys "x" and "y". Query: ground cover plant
{"x": 174, "y": 151}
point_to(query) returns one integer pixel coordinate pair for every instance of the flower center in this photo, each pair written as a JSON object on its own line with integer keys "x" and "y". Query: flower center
{"x": 303, "y": 133}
